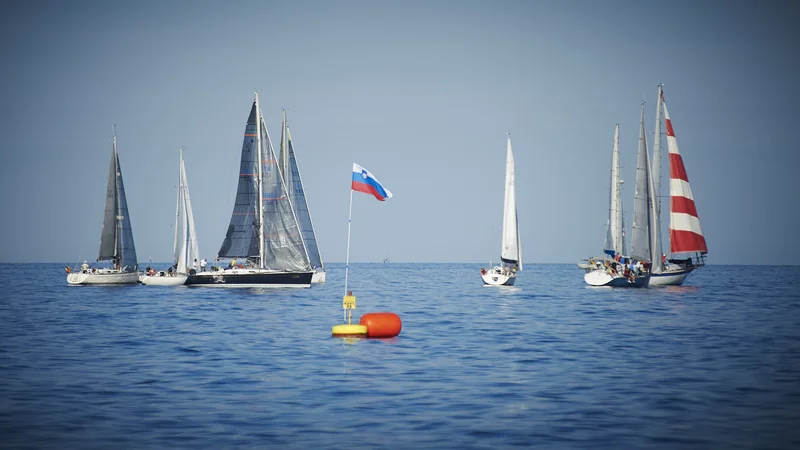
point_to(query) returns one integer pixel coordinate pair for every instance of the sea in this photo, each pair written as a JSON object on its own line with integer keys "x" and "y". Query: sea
{"x": 548, "y": 363}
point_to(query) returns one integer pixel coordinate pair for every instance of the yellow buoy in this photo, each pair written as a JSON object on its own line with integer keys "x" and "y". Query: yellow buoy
{"x": 348, "y": 330}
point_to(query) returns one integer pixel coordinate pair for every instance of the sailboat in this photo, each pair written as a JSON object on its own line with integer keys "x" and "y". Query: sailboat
{"x": 619, "y": 273}
{"x": 263, "y": 232}
{"x": 186, "y": 250}
{"x": 685, "y": 234}
{"x": 291, "y": 174}
{"x": 511, "y": 249}
{"x": 615, "y": 235}
{"x": 116, "y": 238}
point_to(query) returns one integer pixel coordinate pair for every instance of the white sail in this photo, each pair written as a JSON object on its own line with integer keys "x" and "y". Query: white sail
{"x": 614, "y": 239}
{"x": 640, "y": 231}
{"x": 655, "y": 171}
{"x": 186, "y": 248}
{"x": 511, "y": 251}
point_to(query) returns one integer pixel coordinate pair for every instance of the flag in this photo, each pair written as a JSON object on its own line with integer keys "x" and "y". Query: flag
{"x": 363, "y": 181}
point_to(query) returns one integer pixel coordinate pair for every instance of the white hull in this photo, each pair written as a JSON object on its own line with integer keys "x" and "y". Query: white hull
{"x": 670, "y": 277}
{"x": 164, "y": 280}
{"x": 497, "y": 277}
{"x": 103, "y": 276}
{"x": 318, "y": 277}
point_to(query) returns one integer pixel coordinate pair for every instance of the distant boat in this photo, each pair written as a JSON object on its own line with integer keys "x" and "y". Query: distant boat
{"x": 616, "y": 272}
{"x": 186, "y": 250}
{"x": 291, "y": 174}
{"x": 685, "y": 234}
{"x": 510, "y": 249}
{"x": 116, "y": 238}
{"x": 263, "y": 242}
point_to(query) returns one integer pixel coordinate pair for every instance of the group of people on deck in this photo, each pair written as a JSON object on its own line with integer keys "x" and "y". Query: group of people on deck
{"x": 626, "y": 266}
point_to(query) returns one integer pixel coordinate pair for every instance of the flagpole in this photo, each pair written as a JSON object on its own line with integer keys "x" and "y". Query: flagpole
{"x": 347, "y": 260}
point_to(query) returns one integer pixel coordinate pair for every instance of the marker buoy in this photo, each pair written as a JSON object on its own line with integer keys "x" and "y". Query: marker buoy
{"x": 348, "y": 330}
{"x": 381, "y": 324}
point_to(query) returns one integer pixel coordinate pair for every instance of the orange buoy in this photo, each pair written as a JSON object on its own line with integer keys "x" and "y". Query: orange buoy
{"x": 381, "y": 324}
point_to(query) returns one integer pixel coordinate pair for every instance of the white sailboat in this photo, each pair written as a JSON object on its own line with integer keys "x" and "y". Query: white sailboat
{"x": 511, "y": 249}
{"x": 186, "y": 249}
{"x": 685, "y": 234}
{"x": 618, "y": 272}
{"x": 263, "y": 242}
{"x": 615, "y": 235}
{"x": 297, "y": 195}
{"x": 116, "y": 238}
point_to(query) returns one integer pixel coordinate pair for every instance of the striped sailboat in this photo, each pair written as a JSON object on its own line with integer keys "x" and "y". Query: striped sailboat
{"x": 685, "y": 234}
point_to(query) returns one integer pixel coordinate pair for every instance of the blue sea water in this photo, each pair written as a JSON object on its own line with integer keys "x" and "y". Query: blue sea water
{"x": 549, "y": 363}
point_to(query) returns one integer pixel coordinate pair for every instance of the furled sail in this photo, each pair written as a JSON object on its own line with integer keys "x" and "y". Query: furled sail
{"x": 297, "y": 196}
{"x": 685, "y": 234}
{"x": 510, "y": 251}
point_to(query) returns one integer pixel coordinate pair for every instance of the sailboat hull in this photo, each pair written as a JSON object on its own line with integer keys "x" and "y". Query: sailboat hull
{"x": 602, "y": 278}
{"x": 164, "y": 280}
{"x": 318, "y": 277}
{"x": 496, "y": 277}
{"x": 669, "y": 277}
{"x": 102, "y": 276}
{"x": 250, "y": 278}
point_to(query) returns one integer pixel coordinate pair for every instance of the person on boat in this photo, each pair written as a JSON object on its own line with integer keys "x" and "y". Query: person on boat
{"x": 483, "y": 271}
{"x": 169, "y": 272}
{"x": 67, "y": 269}
{"x": 203, "y": 264}
{"x": 232, "y": 264}
{"x": 147, "y": 270}
{"x": 85, "y": 266}
{"x": 195, "y": 265}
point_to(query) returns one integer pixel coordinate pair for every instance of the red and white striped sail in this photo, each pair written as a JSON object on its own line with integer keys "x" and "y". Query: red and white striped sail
{"x": 685, "y": 234}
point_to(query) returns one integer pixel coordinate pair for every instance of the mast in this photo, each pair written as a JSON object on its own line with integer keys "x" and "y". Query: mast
{"x": 657, "y": 267}
{"x": 260, "y": 207}
{"x": 177, "y": 207}
{"x": 640, "y": 231}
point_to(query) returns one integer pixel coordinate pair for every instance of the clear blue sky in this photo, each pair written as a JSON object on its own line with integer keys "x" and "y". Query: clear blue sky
{"x": 422, "y": 94}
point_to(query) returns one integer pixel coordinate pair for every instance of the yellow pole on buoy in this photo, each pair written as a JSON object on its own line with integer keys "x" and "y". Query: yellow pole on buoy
{"x": 348, "y": 329}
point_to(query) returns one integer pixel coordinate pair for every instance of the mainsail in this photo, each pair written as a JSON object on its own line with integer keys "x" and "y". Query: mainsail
{"x": 116, "y": 238}
{"x": 297, "y": 196}
{"x": 511, "y": 252}
{"x": 657, "y": 266}
{"x": 614, "y": 239}
{"x": 685, "y": 234}
{"x": 640, "y": 231}
{"x": 186, "y": 248}
{"x": 264, "y": 231}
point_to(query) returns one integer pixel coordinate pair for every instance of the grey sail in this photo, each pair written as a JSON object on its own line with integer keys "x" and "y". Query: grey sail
{"x": 614, "y": 240}
{"x": 116, "y": 239}
{"x": 283, "y": 247}
{"x": 241, "y": 238}
{"x": 297, "y": 196}
{"x": 640, "y": 231}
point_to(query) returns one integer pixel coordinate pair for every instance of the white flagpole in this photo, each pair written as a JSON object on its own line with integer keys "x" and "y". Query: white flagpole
{"x": 347, "y": 260}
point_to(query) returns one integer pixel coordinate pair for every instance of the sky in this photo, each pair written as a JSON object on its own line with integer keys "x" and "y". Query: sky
{"x": 422, "y": 94}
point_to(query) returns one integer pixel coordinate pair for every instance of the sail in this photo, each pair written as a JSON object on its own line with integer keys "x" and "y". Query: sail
{"x": 283, "y": 247}
{"x": 241, "y": 238}
{"x": 614, "y": 244}
{"x": 108, "y": 237}
{"x": 685, "y": 234}
{"x": 297, "y": 196}
{"x": 510, "y": 251}
{"x": 657, "y": 266}
{"x": 640, "y": 232}
{"x": 116, "y": 239}
{"x": 186, "y": 248}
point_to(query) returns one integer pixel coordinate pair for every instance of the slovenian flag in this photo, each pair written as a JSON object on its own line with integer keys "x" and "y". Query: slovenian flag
{"x": 363, "y": 181}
